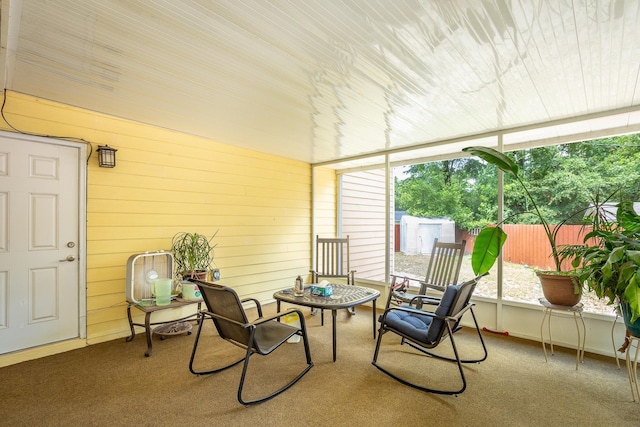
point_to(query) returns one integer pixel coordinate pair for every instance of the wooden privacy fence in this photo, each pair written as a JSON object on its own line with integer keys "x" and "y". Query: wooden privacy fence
{"x": 528, "y": 244}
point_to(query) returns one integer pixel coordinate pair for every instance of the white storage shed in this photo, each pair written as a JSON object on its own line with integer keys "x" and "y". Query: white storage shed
{"x": 417, "y": 234}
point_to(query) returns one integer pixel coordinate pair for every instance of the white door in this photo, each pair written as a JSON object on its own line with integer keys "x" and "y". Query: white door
{"x": 427, "y": 233}
{"x": 39, "y": 268}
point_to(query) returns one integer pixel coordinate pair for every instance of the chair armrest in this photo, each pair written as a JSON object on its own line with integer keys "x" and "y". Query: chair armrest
{"x": 454, "y": 319}
{"x": 397, "y": 282}
{"x": 433, "y": 314}
{"x": 429, "y": 313}
{"x": 226, "y": 319}
{"x": 424, "y": 299}
{"x": 410, "y": 310}
{"x": 256, "y": 302}
{"x": 432, "y": 286}
{"x": 278, "y": 316}
{"x": 458, "y": 316}
{"x": 396, "y": 277}
{"x": 259, "y": 320}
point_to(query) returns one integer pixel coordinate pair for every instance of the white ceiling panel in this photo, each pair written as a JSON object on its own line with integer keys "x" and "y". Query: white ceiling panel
{"x": 331, "y": 80}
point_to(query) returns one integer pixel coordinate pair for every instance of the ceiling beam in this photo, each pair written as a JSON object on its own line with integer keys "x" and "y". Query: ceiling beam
{"x": 10, "y": 14}
{"x": 578, "y": 136}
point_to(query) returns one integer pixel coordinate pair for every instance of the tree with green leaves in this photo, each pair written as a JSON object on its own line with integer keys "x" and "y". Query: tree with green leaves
{"x": 561, "y": 179}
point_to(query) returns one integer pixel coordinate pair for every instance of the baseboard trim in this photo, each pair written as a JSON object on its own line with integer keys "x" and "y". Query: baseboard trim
{"x": 41, "y": 351}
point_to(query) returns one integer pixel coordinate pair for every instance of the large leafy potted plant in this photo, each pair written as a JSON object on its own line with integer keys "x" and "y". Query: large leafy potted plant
{"x": 559, "y": 287}
{"x": 609, "y": 261}
{"x": 192, "y": 254}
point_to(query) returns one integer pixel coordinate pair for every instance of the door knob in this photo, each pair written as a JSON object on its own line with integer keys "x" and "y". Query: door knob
{"x": 68, "y": 259}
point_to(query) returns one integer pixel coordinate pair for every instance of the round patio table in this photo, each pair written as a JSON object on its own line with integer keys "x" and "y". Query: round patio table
{"x": 344, "y": 296}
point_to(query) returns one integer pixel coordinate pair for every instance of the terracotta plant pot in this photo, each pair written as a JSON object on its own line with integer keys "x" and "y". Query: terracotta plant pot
{"x": 197, "y": 274}
{"x": 559, "y": 289}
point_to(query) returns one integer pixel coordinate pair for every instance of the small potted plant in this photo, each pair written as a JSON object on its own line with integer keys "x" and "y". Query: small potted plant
{"x": 559, "y": 287}
{"x": 608, "y": 262}
{"x": 192, "y": 254}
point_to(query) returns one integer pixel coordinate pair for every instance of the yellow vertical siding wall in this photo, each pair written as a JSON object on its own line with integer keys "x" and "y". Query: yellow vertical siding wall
{"x": 166, "y": 182}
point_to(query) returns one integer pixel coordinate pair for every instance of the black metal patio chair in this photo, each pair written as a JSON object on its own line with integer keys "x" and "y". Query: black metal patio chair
{"x": 425, "y": 330}
{"x": 261, "y": 336}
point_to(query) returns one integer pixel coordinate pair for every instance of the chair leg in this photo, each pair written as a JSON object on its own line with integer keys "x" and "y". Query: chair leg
{"x": 287, "y": 386}
{"x": 315, "y": 311}
{"x": 351, "y": 280}
{"x": 193, "y": 354}
{"x": 418, "y": 386}
{"x": 388, "y": 304}
{"x": 381, "y": 332}
{"x": 484, "y": 347}
{"x": 452, "y": 331}
{"x": 455, "y": 359}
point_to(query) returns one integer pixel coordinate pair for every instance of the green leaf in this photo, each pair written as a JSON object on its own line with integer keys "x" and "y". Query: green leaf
{"x": 627, "y": 217}
{"x": 486, "y": 249}
{"x": 632, "y": 295}
{"x": 494, "y": 157}
{"x": 634, "y": 256}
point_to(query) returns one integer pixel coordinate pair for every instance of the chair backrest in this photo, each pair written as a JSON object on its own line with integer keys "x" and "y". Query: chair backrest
{"x": 332, "y": 256}
{"x": 444, "y": 264}
{"x": 223, "y": 301}
{"x": 454, "y": 299}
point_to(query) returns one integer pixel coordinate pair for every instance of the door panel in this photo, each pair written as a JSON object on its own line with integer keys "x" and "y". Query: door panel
{"x": 4, "y": 299}
{"x": 43, "y": 295}
{"x": 39, "y": 215}
{"x": 43, "y": 227}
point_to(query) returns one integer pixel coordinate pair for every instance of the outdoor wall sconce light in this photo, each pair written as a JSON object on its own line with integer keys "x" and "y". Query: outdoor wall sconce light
{"x": 106, "y": 156}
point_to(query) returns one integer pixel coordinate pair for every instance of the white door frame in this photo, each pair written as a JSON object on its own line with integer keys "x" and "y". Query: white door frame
{"x": 82, "y": 220}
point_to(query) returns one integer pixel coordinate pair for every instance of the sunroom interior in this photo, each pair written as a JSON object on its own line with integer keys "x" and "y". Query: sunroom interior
{"x": 267, "y": 124}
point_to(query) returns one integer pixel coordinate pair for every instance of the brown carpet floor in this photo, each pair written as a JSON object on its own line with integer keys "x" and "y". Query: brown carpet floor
{"x": 113, "y": 384}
